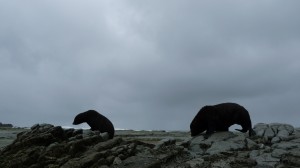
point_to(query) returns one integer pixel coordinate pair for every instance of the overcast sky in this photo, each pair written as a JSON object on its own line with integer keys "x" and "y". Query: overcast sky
{"x": 148, "y": 64}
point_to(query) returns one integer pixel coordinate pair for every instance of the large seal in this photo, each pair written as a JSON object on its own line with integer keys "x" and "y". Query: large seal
{"x": 219, "y": 118}
{"x": 96, "y": 121}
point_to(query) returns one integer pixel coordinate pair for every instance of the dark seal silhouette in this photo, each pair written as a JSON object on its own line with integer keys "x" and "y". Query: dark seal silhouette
{"x": 96, "y": 121}
{"x": 219, "y": 118}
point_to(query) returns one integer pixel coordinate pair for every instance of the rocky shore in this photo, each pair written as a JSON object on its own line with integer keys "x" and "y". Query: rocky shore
{"x": 45, "y": 145}
{"x": 5, "y": 125}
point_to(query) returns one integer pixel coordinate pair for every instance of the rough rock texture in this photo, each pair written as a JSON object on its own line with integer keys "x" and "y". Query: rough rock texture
{"x": 51, "y": 146}
{"x": 6, "y": 125}
{"x": 274, "y": 132}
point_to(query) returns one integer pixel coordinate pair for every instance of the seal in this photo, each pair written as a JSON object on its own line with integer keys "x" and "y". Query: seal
{"x": 220, "y": 117}
{"x": 96, "y": 121}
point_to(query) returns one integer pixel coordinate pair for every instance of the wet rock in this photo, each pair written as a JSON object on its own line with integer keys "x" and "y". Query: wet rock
{"x": 117, "y": 161}
{"x": 194, "y": 145}
{"x": 292, "y": 158}
{"x": 185, "y": 143}
{"x": 105, "y": 136}
{"x": 78, "y": 132}
{"x": 274, "y": 132}
{"x": 286, "y": 145}
{"x": 275, "y": 140}
{"x": 165, "y": 142}
{"x": 45, "y": 145}
{"x": 217, "y": 143}
{"x": 251, "y": 144}
{"x": 283, "y": 134}
{"x": 266, "y": 160}
{"x": 243, "y": 162}
{"x": 194, "y": 163}
{"x": 278, "y": 153}
{"x": 35, "y": 126}
{"x": 260, "y": 129}
{"x": 269, "y": 133}
{"x": 287, "y": 127}
{"x": 221, "y": 136}
{"x": 5, "y": 125}
{"x": 223, "y": 146}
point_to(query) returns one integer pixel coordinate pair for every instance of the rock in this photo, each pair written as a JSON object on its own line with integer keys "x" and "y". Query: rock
{"x": 274, "y": 132}
{"x": 45, "y": 145}
{"x": 195, "y": 145}
{"x": 291, "y": 159}
{"x": 87, "y": 132}
{"x": 275, "y": 140}
{"x": 223, "y": 146}
{"x": 266, "y": 160}
{"x": 251, "y": 144}
{"x": 275, "y": 127}
{"x": 297, "y": 130}
{"x": 6, "y": 125}
{"x": 51, "y": 145}
{"x": 194, "y": 163}
{"x": 220, "y": 136}
{"x": 243, "y": 162}
{"x": 269, "y": 133}
{"x": 196, "y": 140}
{"x": 221, "y": 163}
{"x": 296, "y": 140}
{"x": 139, "y": 161}
{"x": 89, "y": 160}
{"x": 105, "y": 136}
{"x": 287, "y": 127}
{"x": 69, "y": 132}
{"x": 107, "y": 144}
{"x": 35, "y": 126}
{"x": 165, "y": 142}
{"x": 283, "y": 134}
{"x": 104, "y": 166}
{"x": 278, "y": 153}
{"x": 117, "y": 161}
{"x": 260, "y": 132}
{"x": 78, "y": 132}
{"x": 286, "y": 145}
{"x": 260, "y": 128}
{"x": 185, "y": 143}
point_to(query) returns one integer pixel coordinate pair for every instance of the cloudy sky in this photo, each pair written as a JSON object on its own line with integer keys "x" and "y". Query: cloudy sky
{"x": 148, "y": 64}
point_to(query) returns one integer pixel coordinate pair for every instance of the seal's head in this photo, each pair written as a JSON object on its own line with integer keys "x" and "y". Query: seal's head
{"x": 82, "y": 117}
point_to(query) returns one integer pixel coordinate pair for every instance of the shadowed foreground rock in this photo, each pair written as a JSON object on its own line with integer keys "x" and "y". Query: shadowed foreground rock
{"x": 51, "y": 146}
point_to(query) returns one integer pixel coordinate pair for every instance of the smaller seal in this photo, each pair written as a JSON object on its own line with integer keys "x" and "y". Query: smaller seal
{"x": 96, "y": 121}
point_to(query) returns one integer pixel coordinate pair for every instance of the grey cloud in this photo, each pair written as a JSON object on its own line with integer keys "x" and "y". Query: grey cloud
{"x": 147, "y": 65}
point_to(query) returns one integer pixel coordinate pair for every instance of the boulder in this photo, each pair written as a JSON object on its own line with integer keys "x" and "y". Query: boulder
{"x": 274, "y": 132}
{"x": 269, "y": 133}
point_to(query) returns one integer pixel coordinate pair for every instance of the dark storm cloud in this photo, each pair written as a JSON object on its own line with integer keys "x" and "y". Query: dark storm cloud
{"x": 147, "y": 65}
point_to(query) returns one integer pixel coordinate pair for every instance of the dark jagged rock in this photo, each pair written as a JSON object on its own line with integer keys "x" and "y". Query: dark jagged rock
{"x": 49, "y": 146}
{"x": 46, "y": 145}
{"x": 5, "y": 125}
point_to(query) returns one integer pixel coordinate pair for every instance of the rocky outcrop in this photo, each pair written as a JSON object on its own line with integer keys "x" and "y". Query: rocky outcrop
{"x": 6, "y": 125}
{"x": 274, "y": 132}
{"x": 51, "y": 146}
